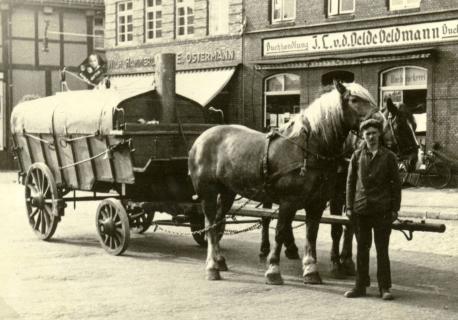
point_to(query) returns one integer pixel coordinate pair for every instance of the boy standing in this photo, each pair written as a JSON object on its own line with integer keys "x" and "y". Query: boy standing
{"x": 373, "y": 202}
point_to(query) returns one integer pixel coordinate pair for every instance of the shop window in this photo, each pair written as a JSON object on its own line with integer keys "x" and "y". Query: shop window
{"x": 99, "y": 33}
{"x": 283, "y": 10}
{"x": 336, "y": 7}
{"x": 338, "y": 75}
{"x": 404, "y": 4}
{"x": 124, "y": 19}
{"x": 153, "y": 19}
{"x": 185, "y": 17}
{"x": 407, "y": 85}
{"x": 219, "y": 17}
{"x": 281, "y": 99}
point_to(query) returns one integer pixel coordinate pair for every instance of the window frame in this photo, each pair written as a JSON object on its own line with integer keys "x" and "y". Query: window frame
{"x": 402, "y": 87}
{"x": 339, "y": 11}
{"x": 125, "y": 13}
{"x": 98, "y": 29}
{"x": 404, "y": 5}
{"x": 185, "y": 4}
{"x": 211, "y": 24}
{"x": 283, "y": 92}
{"x": 281, "y": 19}
{"x": 155, "y": 8}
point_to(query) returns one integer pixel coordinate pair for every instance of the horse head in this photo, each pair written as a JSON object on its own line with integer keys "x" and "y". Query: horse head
{"x": 357, "y": 104}
{"x": 400, "y": 130}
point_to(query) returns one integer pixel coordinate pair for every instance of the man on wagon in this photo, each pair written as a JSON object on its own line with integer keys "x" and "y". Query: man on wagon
{"x": 373, "y": 202}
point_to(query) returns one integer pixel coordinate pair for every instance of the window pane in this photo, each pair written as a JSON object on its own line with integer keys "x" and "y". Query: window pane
{"x": 415, "y": 77}
{"x": 347, "y": 5}
{"x": 150, "y": 34}
{"x": 181, "y": 21}
{"x": 122, "y": 20}
{"x": 158, "y": 33}
{"x": 129, "y": 19}
{"x": 122, "y": 7}
{"x": 393, "y": 78}
{"x": 181, "y": 31}
{"x": 190, "y": 30}
{"x": 181, "y": 11}
{"x": 158, "y": 14}
{"x": 159, "y": 24}
{"x": 129, "y": 5}
{"x": 190, "y": 19}
{"x": 158, "y": 2}
{"x": 274, "y": 84}
{"x": 129, "y": 28}
{"x": 333, "y": 7}
{"x": 129, "y": 37}
{"x": 122, "y": 38}
{"x": 150, "y": 3}
{"x": 122, "y": 29}
{"x": 288, "y": 9}
{"x": 292, "y": 82}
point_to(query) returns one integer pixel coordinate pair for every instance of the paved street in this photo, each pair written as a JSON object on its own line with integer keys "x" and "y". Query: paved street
{"x": 162, "y": 276}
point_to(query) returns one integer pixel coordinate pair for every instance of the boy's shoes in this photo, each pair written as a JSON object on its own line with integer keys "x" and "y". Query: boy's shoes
{"x": 355, "y": 293}
{"x": 385, "y": 294}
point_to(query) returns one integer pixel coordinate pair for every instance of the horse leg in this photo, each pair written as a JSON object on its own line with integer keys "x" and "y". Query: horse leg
{"x": 265, "y": 243}
{"x": 346, "y": 259}
{"x": 309, "y": 262}
{"x": 291, "y": 251}
{"x": 226, "y": 199}
{"x": 336, "y": 234}
{"x": 285, "y": 216}
{"x": 209, "y": 205}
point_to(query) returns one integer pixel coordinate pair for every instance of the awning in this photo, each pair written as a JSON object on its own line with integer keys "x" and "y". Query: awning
{"x": 200, "y": 86}
{"x": 344, "y": 59}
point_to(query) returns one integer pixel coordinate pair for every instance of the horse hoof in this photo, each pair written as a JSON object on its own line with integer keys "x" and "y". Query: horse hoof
{"x": 312, "y": 278}
{"x": 292, "y": 254}
{"x": 336, "y": 271}
{"x": 221, "y": 265}
{"x": 262, "y": 257}
{"x": 274, "y": 279}
{"x": 348, "y": 267}
{"x": 213, "y": 274}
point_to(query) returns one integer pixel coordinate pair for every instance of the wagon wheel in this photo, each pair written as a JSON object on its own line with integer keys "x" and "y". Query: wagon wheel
{"x": 112, "y": 226}
{"x": 438, "y": 175}
{"x": 42, "y": 200}
{"x": 140, "y": 221}
{"x": 197, "y": 222}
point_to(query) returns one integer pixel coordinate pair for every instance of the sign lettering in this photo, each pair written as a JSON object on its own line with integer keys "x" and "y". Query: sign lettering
{"x": 360, "y": 39}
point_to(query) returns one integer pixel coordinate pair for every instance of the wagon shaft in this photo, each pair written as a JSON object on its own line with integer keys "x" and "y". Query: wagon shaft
{"x": 397, "y": 225}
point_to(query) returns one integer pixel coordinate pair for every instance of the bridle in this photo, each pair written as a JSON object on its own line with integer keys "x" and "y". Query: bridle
{"x": 401, "y": 151}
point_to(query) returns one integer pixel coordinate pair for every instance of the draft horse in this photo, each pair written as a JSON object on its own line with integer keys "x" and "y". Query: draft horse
{"x": 227, "y": 160}
{"x": 399, "y": 136}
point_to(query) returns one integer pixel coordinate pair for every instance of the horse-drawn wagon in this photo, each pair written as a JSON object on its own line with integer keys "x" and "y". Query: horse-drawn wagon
{"x": 132, "y": 142}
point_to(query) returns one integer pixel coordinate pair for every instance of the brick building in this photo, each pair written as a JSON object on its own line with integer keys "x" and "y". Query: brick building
{"x": 404, "y": 48}
{"x": 37, "y": 39}
{"x": 205, "y": 35}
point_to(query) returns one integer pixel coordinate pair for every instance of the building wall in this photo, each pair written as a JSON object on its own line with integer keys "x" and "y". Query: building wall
{"x": 31, "y": 62}
{"x": 311, "y": 19}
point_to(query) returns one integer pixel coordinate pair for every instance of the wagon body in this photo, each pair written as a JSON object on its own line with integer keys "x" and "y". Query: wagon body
{"x": 93, "y": 141}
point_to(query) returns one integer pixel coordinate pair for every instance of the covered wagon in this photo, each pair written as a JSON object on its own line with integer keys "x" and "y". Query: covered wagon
{"x": 132, "y": 142}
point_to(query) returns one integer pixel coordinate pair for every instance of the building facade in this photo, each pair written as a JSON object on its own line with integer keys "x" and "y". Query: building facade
{"x": 37, "y": 40}
{"x": 205, "y": 35}
{"x": 406, "y": 49}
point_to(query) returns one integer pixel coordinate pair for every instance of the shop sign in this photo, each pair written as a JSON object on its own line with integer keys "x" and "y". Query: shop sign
{"x": 182, "y": 58}
{"x": 421, "y": 33}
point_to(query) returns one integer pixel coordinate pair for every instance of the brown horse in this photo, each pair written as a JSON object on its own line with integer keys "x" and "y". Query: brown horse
{"x": 399, "y": 136}
{"x": 227, "y": 160}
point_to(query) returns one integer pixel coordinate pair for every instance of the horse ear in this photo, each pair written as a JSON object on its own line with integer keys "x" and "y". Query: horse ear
{"x": 391, "y": 107}
{"x": 339, "y": 87}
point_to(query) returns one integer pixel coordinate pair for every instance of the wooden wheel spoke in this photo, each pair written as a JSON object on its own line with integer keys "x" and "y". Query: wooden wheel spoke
{"x": 32, "y": 188}
{"x": 43, "y": 222}
{"x": 118, "y": 224}
{"x": 38, "y": 220}
{"x": 46, "y": 191}
{"x": 49, "y": 211}
{"x": 34, "y": 213}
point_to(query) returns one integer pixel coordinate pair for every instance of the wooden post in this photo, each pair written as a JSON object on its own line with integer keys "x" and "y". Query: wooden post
{"x": 164, "y": 78}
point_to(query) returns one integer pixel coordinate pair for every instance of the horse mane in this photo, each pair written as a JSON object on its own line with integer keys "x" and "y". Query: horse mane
{"x": 325, "y": 114}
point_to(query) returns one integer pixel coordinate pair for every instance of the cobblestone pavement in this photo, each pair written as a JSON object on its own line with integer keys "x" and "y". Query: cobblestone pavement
{"x": 162, "y": 276}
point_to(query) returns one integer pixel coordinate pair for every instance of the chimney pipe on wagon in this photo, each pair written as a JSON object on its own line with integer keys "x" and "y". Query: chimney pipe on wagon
{"x": 164, "y": 78}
